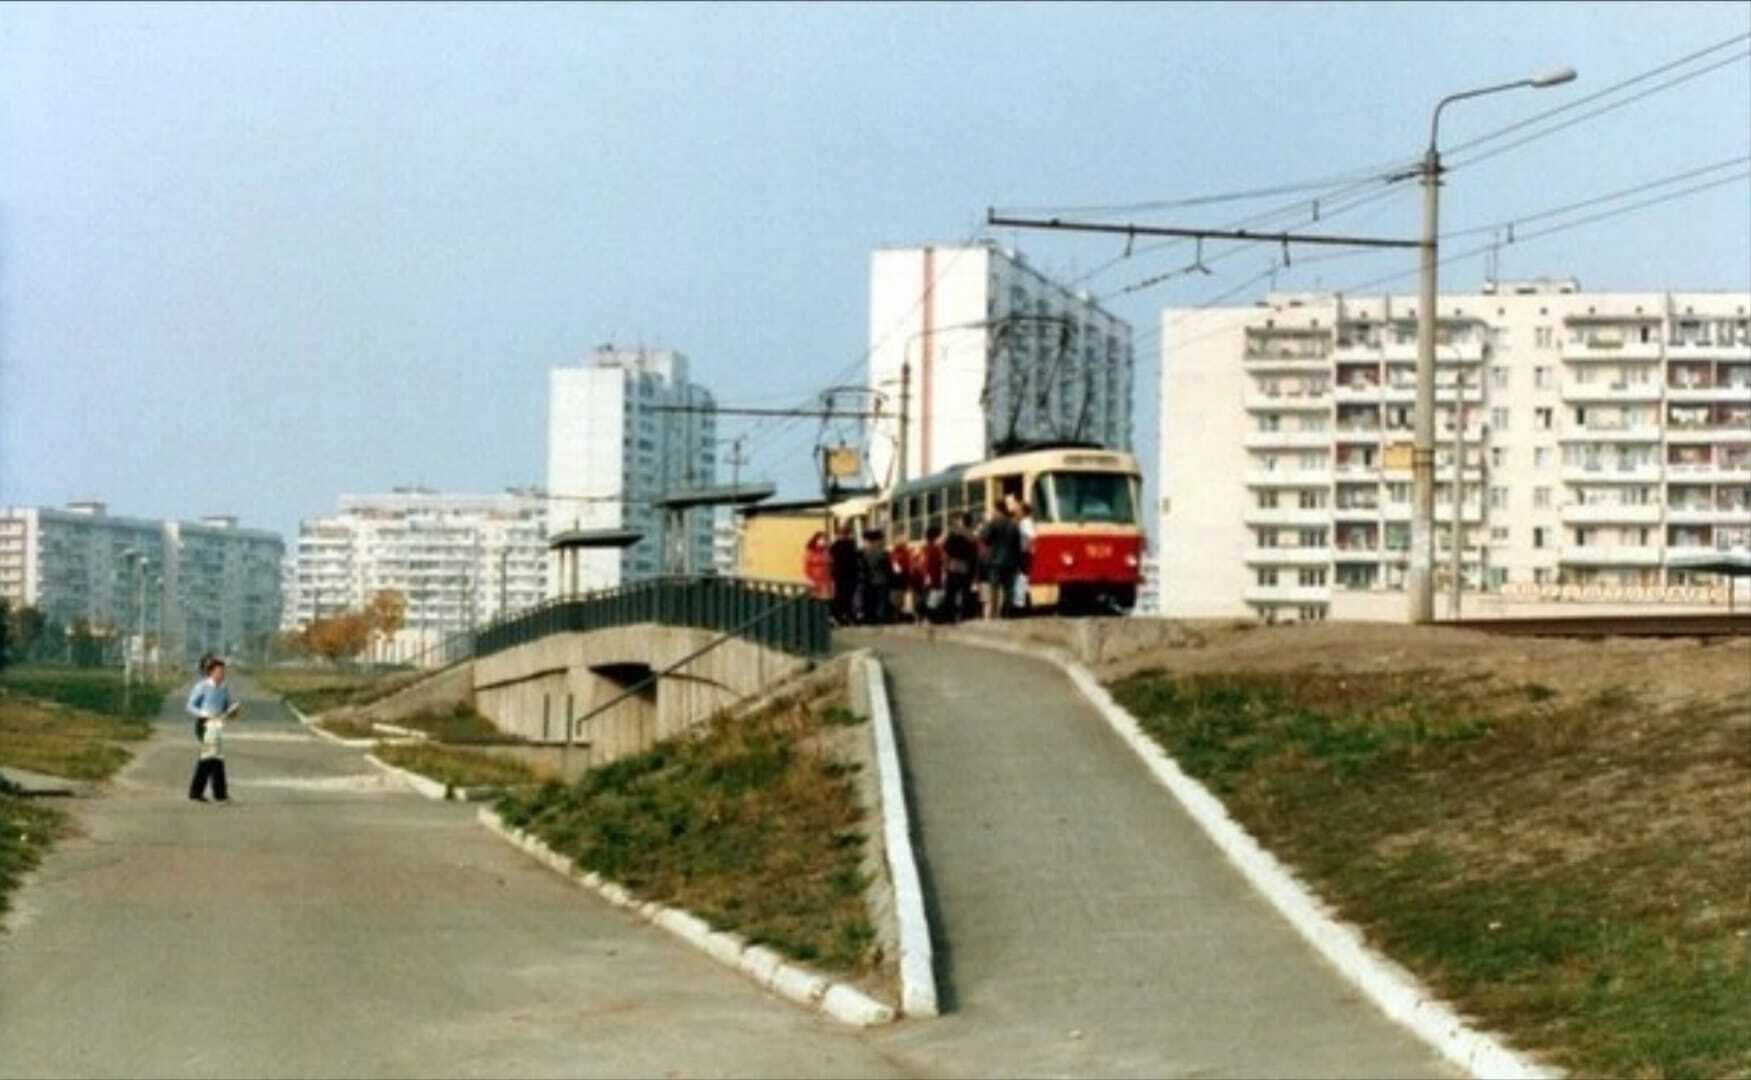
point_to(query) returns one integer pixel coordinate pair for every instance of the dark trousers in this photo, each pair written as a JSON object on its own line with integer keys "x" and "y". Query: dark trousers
{"x": 212, "y": 769}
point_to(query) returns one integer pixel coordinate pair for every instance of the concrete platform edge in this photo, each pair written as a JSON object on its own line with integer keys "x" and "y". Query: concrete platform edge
{"x": 839, "y": 1001}
{"x": 1388, "y": 985}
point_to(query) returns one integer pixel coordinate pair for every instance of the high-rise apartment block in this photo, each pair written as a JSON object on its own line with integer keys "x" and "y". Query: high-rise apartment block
{"x": 205, "y": 586}
{"x": 1604, "y": 440}
{"x": 458, "y": 560}
{"x": 611, "y": 454}
{"x": 980, "y": 349}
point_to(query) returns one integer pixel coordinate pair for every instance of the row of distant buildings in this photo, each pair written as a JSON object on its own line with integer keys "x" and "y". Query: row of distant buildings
{"x": 1590, "y": 446}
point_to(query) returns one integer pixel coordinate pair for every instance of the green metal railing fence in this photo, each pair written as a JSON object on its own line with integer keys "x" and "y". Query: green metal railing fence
{"x": 778, "y": 615}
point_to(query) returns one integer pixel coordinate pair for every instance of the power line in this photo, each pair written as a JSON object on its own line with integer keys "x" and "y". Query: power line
{"x": 1371, "y": 174}
{"x": 1597, "y": 94}
{"x": 1598, "y": 199}
{"x": 1602, "y": 110}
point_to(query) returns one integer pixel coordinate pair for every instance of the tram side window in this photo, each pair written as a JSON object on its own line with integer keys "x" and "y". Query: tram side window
{"x": 1008, "y": 486}
{"x": 976, "y": 500}
{"x": 1041, "y": 500}
{"x": 933, "y": 509}
{"x": 914, "y": 522}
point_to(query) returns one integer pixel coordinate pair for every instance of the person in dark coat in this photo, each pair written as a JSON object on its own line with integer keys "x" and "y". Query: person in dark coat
{"x": 1001, "y": 540}
{"x": 878, "y": 579}
{"x": 847, "y": 567}
{"x": 960, "y": 566}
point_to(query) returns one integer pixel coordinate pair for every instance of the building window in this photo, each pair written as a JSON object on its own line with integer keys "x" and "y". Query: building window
{"x": 1312, "y": 538}
{"x": 1499, "y": 419}
{"x": 1498, "y": 457}
{"x": 1541, "y": 575}
{"x": 1312, "y": 577}
{"x": 1498, "y": 498}
{"x": 1267, "y": 575}
{"x": 1311, "y": 613}
{"x": 1498, "y": 534}
{"x": 1544, "y": 418}
{"x": 1499, "y": 376}
{"x": 1398, "y": 492}
{"x": 1538, "y": 536}
{"x": 1267, "y": 500}
{"x": 1543, "y": 337}
{"x": 1267, "y": 538}
{"x": 1541, "y": 377}
{"x": 1541, "y": 456}
{"x": 1541, "y": 498}
{"x": 1312, "y": 500}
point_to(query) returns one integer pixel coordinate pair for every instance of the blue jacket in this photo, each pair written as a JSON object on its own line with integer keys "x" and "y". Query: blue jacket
{"x": 208, "y": 699}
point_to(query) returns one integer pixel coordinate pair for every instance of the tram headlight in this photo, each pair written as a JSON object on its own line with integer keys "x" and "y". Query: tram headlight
{"x": 1069, "y": 559}
{"x": 1131, "y": 561}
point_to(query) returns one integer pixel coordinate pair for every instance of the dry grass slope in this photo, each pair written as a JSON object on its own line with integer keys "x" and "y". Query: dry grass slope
{"x": 1552, "y": 833}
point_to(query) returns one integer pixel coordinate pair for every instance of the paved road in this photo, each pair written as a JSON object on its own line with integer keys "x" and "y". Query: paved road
{"x": 1088, "y": 928}
{"x": 328, "y": 924}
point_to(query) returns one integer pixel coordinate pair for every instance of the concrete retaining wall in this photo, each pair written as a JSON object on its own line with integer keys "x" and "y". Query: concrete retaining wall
{"x": 440, "y": 692}
{"x": 543, "y": 690}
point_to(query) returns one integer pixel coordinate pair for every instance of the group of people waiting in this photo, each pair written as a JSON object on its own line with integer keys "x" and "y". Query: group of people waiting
{"x": 970, "y": 572}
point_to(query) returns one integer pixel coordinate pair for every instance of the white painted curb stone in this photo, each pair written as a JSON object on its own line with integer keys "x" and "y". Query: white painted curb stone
{"x": 1392, "y": 988}
{"x": 841, "y": 1001}
{"x": 424, "y": 785}
{"x": 316, "y": 729}
{"x": 917, "y": 965}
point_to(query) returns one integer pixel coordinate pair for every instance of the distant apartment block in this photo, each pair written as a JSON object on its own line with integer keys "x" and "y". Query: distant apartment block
{"x": 459, "y": 560}
{"x": 983, "y": 347}
{"x": 1603, "y": 440}
{"x": 209, "y": 586}
{"x": 611, "y": 453}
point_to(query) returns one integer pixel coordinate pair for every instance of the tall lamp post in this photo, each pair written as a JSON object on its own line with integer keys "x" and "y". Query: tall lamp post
{"x": 1420, "y": 583}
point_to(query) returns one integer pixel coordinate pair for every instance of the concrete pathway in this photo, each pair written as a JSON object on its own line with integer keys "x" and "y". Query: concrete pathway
{"x": 329, "y": 924}
{"x": 1086, "y": 927}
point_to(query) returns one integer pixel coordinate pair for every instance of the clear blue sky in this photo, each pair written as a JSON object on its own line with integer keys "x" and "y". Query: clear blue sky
{"x": 255, "y": 257}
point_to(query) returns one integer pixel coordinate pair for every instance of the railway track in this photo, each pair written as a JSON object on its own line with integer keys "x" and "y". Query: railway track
{"x": 1600, "y": 626}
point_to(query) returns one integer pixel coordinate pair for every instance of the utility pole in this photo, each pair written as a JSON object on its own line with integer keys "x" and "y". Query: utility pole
{"x": 1458, "y": 487}
{"x": 905, "y": 416}
{"x": 1420, "y": 582}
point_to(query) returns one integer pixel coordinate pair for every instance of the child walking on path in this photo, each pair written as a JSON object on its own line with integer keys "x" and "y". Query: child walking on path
{"x": 210, "y": 704}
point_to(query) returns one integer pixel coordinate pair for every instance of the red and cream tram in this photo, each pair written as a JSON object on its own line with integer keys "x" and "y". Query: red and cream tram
{"x": 1088, "y": 531}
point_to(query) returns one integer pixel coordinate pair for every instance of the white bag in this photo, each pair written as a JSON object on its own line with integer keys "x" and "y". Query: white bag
{"x": 1019, "y": 595}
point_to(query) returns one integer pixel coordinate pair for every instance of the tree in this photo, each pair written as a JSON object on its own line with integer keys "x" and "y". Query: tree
{"x": 25, "y": 626}
{"x": 5, "y": 630}
{"x": 386, "y": 613}
{"x": 86, "y": 647}
{"x": 339, "y": 637}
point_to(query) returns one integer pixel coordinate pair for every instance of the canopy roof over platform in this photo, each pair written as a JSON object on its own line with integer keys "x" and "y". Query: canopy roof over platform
{"x": 726, "y": 495}
{"x": 593, "y": 538}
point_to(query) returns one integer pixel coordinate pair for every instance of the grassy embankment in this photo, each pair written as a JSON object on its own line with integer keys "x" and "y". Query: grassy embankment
{"x": 317, "y": 690}
{"x": 1571, "y": 868}
{"x": 754, "y": 825}
{"x": 63, "y": 722}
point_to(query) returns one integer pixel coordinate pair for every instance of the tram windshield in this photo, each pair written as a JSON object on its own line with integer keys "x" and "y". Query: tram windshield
{"x": 1088, "y": 498}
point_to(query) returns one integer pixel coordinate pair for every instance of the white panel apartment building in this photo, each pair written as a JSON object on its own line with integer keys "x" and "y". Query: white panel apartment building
{"x": 210, "y": 586}
{"x": 1605, "y": 436}
{"x": 459, "y": 560}
{"x": 610, "y": 454}
{"x": 993, "y": 347}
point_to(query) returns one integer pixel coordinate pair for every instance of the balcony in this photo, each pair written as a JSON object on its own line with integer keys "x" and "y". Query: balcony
{"x": 1711, "y": 472}
{"x": 1365, "y": 391}
{"x": 1722, "y": 393}
{"x": 1599, "y": 390}
{"x": 1707, "y": 514}
{"x": 1649, "y": 472}
{"x": 1286, "y": 478}
{"x": 1612, "y": 513}
{"x": 1607, "y": 347}
{"x": 1600, "y": 555}
{"x": 1261, "y": 401}
{"x": 1357, "y": 512}
{"x": 1713, "y": 431}
{"x": 1396, "y": 511}
{"x": 1695, "y": 350}
{"x": 1289, "y": 556}
{"x": 1287, "y": 440}
{"x": 1286, "y": 594}
{"x": 1287, "y": 515}
{"x": 1629, "y": 433}
{"x": 1464, "y": 352}
{"x": 1358, "y": 553}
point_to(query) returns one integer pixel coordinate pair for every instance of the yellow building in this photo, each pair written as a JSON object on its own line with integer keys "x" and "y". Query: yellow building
{"x": 773, "y": 538}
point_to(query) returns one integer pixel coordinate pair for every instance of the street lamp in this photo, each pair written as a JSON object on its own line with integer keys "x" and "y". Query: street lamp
{"x": 1420, "y": 583}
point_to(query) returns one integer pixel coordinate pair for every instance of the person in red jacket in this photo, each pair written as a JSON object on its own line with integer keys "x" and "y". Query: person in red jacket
{"x": 931, "y": 576}
{"x": 817, "y": 567}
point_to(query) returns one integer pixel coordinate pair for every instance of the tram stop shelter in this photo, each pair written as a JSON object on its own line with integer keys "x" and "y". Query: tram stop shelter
{"x": 1730, "y": 565}
{"x": 571, "y": 543}
{"x": 678, "y": 510}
